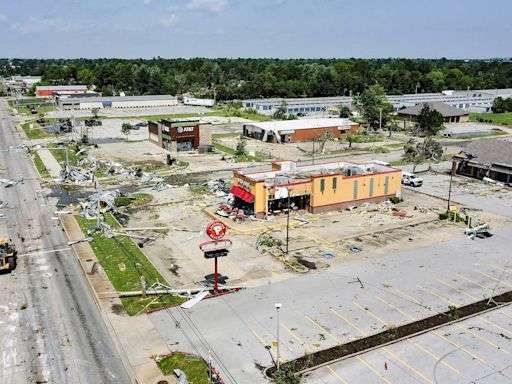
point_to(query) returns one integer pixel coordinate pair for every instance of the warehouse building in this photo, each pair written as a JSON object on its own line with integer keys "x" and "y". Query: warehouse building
{"x": 50, "y": 90}
{"x": 292, "y": 131}
{"x": 450, "y": 114}
{"x": 472, "y": 100}
{"x": 179, "y": 135}
{"x": 485, "y": 158}
{"x": 114, "y": 102}
{"x": 315, "y": 188}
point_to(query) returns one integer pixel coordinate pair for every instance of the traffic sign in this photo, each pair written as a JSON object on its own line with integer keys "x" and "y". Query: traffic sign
{"x": 216, "y": 230}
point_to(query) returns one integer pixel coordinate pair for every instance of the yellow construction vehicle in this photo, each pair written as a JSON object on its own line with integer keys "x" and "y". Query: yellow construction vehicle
{"x": 7, "y": 254}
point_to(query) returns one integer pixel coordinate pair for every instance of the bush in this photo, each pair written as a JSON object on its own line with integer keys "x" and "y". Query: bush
{"x": 395, "y": 199}
{"x": 122, "y": 201}
{"x": 449, "y": 216}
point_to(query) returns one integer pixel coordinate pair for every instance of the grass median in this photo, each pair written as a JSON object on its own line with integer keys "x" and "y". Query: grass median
{"x": 43, "y": 172}
{"x": 124, "y": 263}
{"x": 194, "y": 367}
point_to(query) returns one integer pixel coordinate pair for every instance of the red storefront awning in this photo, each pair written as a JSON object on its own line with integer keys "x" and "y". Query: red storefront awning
{"x": 248, "y": 197}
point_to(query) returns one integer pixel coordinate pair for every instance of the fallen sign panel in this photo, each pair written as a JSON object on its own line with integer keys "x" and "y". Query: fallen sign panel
{"x": 196, "y": 299}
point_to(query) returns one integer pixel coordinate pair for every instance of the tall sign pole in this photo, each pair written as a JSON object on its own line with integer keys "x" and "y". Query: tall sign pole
{"x": 216, "y": 230}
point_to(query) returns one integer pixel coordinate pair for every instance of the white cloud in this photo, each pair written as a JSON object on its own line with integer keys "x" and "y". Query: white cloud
{"x": 34, "y": 25}
{"x": 207, "y": 5}
{"x": 169, "y": 21}
{"x": 2, "y": 18}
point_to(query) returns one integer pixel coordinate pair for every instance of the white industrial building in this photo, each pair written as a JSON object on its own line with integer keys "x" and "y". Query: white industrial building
{"x": 149, "y": 101}
{"x": 472, "y": 100}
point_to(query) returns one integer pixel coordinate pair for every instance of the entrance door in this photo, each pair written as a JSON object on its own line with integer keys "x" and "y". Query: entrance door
{"x": 185, "y": 145}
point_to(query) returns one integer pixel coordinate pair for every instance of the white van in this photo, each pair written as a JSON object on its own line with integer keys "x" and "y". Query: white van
{"x": 411, "y": 179}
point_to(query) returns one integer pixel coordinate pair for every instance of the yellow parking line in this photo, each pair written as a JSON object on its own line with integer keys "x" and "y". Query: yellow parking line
{"x": 260, "y": 339}
{"x": 405, "y": 295}
{"x": 348, "y": 322}
{"x": 302, "y": 342}
{"x": 371, "y": 314}
{"x": 483, "y": 339}
{"x": 377, "y": 373}
{"x": 417, "y": 345}
{"x": 409, "y": 366}
{"x": 494, "y": 325}
{"x": 502, "y": 268}
{"x": 473, "y": 281}
{"x": 336, "y": 374}
{"x": 437, "y": 295}
{"x": 458, "y": 290}
{"x": 446, "y": 339}
{"x": 357, "y": 357}
{"x": 493, "y": 278}
{"x": 459, "y": 347}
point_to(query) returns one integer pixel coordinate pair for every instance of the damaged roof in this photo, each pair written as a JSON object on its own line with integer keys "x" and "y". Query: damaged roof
{"x": 489, "y": 151}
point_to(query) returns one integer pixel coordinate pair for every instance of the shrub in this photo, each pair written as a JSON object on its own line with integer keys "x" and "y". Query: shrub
{"x": 122, "y": 201}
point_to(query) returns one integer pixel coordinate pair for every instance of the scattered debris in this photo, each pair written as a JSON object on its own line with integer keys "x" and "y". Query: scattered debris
{"x": 355, "y": 249}
{"x": 329, "y": 255}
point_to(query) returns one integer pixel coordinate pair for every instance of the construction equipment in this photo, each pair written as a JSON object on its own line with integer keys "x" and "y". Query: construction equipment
{"x": 7, "y": 254}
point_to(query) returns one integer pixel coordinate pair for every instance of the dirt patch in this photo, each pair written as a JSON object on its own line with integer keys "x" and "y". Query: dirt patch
{"x": 118, "y": 309}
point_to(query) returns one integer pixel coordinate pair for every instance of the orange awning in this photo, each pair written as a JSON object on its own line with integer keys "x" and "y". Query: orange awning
{"x": 248, "y": 197}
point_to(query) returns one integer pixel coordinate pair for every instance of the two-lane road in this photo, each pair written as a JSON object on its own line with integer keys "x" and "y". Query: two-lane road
{"x": 51, "y": 330}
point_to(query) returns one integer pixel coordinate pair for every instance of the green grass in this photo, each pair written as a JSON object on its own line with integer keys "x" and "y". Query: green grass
{"x": 27, "y": 111}
{"x": 135, "y": 305}
{"x": 379, "y": 150}
{"x": 225, "y": 135}
{"x": 194, "y": 367}
{"x": 492, "y": 133}
{"x": 494, "y": 118}
{"x": 258, "y": 156}
{"x": 121, "y": 249}
{"x": 36, "y": 132}
{"x": 199, "y": 189}
{"x": 43, "y": 172}
{"x": 60, "y": 155}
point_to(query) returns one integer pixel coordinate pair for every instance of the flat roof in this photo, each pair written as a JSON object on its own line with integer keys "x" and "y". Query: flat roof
{"x": 283, "y": 125}
{"x": 292, "y": 173}
{"x": 123, "y": 98}
{"x": 59, "y": 87}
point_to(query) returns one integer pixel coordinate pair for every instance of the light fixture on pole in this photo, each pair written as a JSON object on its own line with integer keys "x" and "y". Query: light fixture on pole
{"x": 278, "y": 307}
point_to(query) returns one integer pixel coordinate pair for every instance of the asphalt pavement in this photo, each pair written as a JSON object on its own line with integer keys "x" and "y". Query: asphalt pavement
{"x": 51, "y": 330}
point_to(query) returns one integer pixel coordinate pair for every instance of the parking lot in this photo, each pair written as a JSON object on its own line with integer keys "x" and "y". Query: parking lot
{"x": 341, "y": 304}
{"x": 476, "y": 350}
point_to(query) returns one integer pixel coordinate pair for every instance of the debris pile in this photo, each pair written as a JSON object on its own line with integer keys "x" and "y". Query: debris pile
{"x": 105, "y": 199}
{"x": 219, "y": 187}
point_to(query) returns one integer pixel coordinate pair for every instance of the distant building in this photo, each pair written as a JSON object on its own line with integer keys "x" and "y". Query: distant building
{"x": 148, "y": 101}
{"x": 179, "y": 135}
{"x": 315, "y": 188}
{"x": 198, "y": 102}
{"x": 50, "y": 90}
{"x": 291, "y": 131}
{"x": 23, "y": 82}
{"x": 489, "y": 158}
{"x": 450, "y": 114}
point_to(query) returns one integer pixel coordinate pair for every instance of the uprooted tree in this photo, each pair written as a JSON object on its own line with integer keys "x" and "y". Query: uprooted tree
{"x": 418, "y": 153}
{"x": 240, "y": 146}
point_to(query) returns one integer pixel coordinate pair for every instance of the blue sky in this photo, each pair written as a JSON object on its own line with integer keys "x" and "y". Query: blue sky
{"x": 255, "y": 28}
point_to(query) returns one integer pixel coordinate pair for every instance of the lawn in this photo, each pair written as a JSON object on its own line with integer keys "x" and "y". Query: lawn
{"x": 60, "y": 155}
{"x": 119, "y": 253}
{"x": 225, "y": 135}
{"x": 36, "y": 132}
{"x": 194, "y": 367}
{"x": 43, "y": 172}
{"x": 135, "y": 305}
{"x": 258, "y": 156}
{"x": 494, "y": 118}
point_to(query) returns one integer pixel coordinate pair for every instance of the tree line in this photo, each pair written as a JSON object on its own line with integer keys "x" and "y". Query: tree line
{"x": 229, "y": 79}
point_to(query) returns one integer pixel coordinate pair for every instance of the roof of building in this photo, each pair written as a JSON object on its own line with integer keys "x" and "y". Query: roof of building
{"x": 283, "y": 125}
{"x": 59, "y": 87}
{"x": 291, "y": 172}
{"x": 488, "y": 151}
{"x": 443, "y": 108}
{"x": 121, "y": 98}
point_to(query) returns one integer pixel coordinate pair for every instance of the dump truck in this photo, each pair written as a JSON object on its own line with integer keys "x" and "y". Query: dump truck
{"x": 7, "y": 254}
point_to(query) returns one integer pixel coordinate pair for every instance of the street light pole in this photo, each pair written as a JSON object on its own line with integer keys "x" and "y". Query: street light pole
{"x": 278, "y": 307}
{"x": 450, "y": 188}
{"x": 288, "y": 221}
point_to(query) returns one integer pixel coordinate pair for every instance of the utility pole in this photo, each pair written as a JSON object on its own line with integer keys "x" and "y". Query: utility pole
{"x": 278, "y": 307}
{"x": 380, "y": 119}
{"x": 450, "y": 188}
{"x": 313, "y": 150}
{"x": 288, "y": 221}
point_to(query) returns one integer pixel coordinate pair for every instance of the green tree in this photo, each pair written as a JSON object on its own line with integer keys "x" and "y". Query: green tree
{"x": 240, "y": 146}
{"x": 94, "y": 112}
{"x": 280, "y": 113}
{"x": 86, "y": 76}
{"x": 373, "y": 106}
{"x": 126, "y": 128}
{"x": 345, "y": 112}
{"x": 430, "y": 122}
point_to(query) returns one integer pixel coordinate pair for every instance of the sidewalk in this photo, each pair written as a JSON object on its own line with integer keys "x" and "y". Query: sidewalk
{"x": 135, "y": 336}
{"x": 50, "y": 163}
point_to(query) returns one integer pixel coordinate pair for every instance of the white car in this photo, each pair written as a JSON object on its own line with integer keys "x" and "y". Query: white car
{"x": 411, "y": 179}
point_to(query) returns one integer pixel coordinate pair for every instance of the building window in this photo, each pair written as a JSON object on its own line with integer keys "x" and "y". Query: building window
{"x": 322, "y": 185}
{"x": 334, "y": 183}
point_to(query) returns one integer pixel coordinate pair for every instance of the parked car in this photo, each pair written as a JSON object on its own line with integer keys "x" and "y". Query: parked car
{"x": 140, "y": 125}
{"x": 411, "y": 179}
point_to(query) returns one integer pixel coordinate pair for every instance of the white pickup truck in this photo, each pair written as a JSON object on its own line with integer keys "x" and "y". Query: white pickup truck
{"x": 411, "y": 179}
